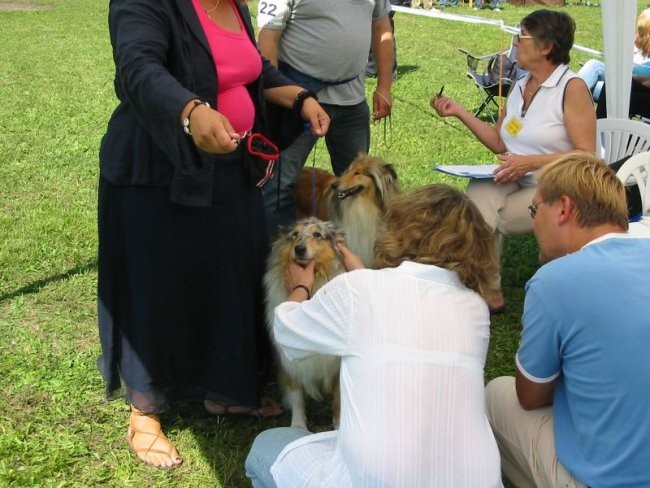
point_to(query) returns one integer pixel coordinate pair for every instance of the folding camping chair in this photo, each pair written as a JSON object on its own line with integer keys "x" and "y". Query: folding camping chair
{"x": 490, "y": 71}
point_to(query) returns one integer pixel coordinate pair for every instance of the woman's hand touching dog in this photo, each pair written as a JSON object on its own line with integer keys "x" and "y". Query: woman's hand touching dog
{"x": 300, "y": 281}
{"x": 350, "y": 260}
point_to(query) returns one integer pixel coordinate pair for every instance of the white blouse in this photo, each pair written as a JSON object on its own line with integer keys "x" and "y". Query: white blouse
{"x": 413, "y": 342}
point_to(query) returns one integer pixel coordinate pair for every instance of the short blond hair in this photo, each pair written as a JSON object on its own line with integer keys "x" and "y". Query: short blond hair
{"x": 593, "y": 187}
{"x": 439, "y": 225}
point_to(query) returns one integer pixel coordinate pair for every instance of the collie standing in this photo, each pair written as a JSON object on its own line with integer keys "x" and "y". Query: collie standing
{"x": 308, "y": 239}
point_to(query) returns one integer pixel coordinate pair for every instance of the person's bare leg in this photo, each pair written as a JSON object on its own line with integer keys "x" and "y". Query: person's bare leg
{"x": 147, "y": 441}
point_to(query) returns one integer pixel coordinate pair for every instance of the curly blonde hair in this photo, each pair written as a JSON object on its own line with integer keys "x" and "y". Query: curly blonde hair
{"x": 437, "y": 224}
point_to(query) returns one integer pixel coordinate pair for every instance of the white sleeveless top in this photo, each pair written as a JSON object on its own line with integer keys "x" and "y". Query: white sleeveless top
{"x": 540, "y": 129}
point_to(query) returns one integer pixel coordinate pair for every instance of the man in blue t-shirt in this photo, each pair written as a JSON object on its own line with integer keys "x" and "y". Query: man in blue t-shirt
{"x": 577, "y": 412}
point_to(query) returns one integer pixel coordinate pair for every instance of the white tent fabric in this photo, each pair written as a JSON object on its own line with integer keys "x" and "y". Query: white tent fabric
{"x": 619, "y": 25}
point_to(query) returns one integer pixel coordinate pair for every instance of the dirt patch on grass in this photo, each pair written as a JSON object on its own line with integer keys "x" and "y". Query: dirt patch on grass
{"x": 19, "y": 6}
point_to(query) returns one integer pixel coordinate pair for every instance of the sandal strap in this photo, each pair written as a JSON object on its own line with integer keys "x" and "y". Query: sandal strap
{"x": 156, "y": 435}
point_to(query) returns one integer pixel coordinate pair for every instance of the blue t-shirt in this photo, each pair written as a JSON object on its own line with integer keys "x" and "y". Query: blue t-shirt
{"x": 642, "y": 69}
{"x": 586, "y": 322}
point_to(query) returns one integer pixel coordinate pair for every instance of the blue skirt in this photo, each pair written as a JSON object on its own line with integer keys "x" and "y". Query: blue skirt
{"x": 180, "y": 298}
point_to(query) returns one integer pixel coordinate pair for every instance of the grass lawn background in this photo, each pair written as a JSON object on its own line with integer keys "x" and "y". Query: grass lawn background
{"x": 56, "y": 89}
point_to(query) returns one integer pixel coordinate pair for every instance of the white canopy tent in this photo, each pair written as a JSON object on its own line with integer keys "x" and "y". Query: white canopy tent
{"x": 619, "y": 25}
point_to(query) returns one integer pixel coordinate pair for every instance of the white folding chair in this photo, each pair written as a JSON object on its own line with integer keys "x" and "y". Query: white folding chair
{"x": 618, "y": 138}
{"x": 636, "y": 170}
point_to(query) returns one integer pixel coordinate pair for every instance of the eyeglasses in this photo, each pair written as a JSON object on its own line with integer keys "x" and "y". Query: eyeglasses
{"x": 532, "y": 209}
{"x": 519, "y": 37}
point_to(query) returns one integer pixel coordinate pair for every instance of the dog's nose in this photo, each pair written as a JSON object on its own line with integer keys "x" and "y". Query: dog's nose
{"x": 300, "y": 250}
{"x": 335, "y": 185}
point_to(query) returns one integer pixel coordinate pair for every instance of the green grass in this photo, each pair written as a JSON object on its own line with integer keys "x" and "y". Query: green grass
{"x": 56, "y": 92}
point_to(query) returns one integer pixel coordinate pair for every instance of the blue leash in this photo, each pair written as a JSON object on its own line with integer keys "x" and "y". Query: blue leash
{"x": 313, "y": 180}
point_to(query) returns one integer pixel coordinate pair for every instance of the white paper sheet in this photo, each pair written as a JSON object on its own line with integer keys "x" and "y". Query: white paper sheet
{"x": 467, "y": 170}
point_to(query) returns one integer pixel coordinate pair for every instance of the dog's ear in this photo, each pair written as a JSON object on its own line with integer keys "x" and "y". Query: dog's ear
{"x": 390, "y": 171}
{"x": 392, "y": 182}
{"x": 333, "y": 232}
{"x": 385, "y": 178}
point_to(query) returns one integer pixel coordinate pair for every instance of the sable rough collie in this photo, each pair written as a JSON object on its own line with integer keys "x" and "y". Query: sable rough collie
{"x": 308, "y": 239}
{"x": 356, "y": 200}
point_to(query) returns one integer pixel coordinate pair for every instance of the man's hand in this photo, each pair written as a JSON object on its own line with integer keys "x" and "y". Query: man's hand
{"x": 382, "y": 104}
{"x": 382, "y": 50}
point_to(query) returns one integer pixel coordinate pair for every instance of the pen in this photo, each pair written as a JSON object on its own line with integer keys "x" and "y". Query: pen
{"x": 442, "y": 88}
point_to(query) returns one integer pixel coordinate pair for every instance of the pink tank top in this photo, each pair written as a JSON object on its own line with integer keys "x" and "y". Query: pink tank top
{"x": 238, "y": 63}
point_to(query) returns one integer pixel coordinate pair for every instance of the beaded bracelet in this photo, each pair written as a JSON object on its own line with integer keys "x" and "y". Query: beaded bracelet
{"x": 304, "y": 287}
{"x": 186, "y": 120}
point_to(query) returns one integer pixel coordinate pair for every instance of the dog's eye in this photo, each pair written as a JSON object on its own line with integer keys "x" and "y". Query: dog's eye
{"x": 317, "y": 235}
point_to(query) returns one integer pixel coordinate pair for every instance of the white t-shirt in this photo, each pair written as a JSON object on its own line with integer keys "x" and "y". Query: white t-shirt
{"x": 413, "y": 342}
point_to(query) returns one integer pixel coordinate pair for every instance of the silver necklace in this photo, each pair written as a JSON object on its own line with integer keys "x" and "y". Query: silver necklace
{"x": 210, "y": 10}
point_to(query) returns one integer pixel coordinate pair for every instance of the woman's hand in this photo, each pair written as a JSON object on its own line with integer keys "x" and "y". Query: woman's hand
{"x": 297, "y": 274}
{"x": 512, "y": 168}
{"x": 350, "y": 260}
{"x": 445, "y": 106}
{"x": 313, "y": 113}
{"x": 211, "y": 131}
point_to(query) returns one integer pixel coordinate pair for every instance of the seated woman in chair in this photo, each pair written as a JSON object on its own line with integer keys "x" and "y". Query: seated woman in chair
{"x": 593, "y": 71}
{"x": 549, "y": 112}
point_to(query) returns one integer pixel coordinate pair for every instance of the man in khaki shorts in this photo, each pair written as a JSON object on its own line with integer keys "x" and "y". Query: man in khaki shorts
{"x": 576, "y": 413}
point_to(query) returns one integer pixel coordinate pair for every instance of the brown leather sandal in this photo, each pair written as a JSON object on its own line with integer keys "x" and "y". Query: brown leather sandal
{"x": 156, "y": 434}
{"x": 268, "y": 409}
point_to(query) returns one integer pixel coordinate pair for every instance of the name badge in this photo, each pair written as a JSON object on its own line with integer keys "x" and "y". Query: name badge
{"x": 514, "y": 126}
